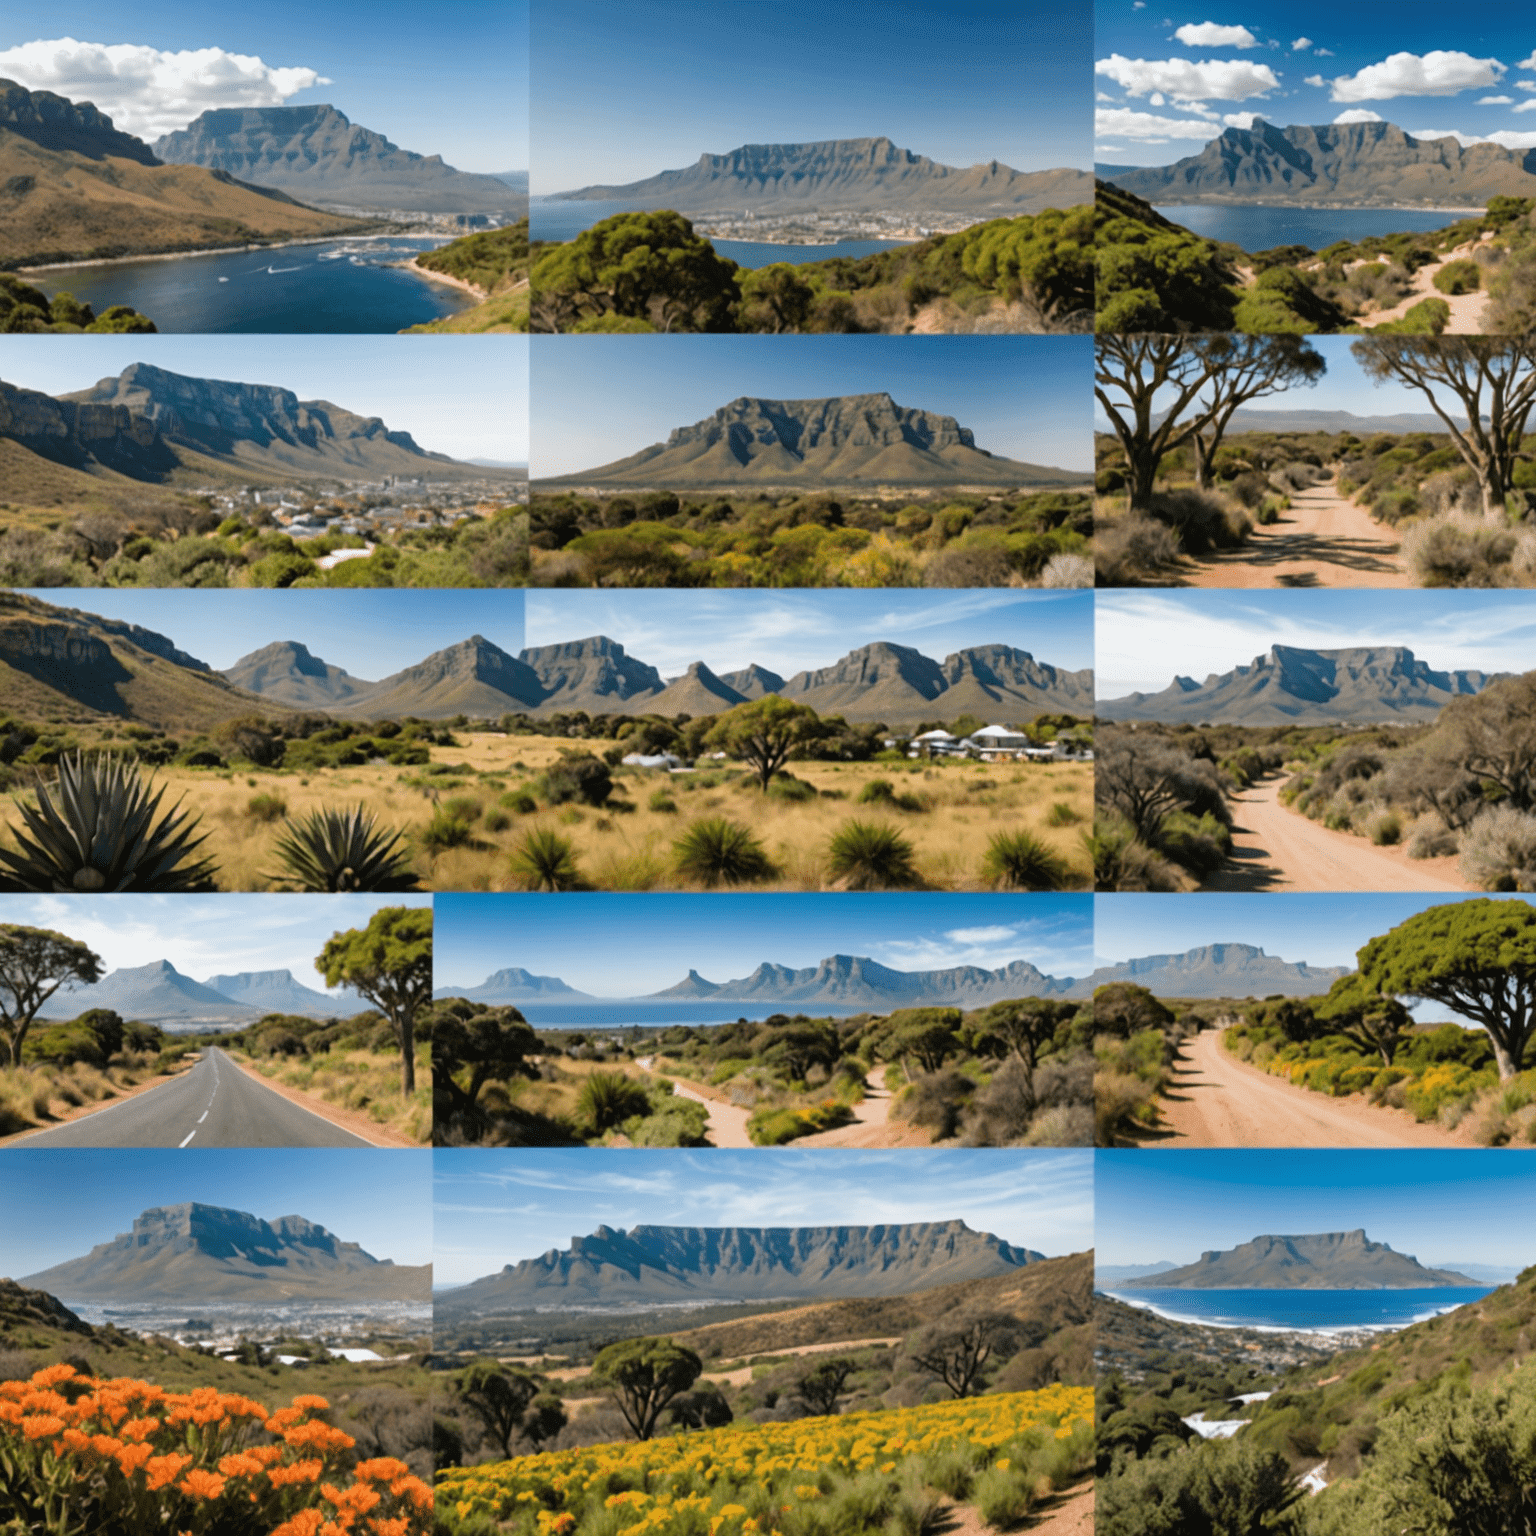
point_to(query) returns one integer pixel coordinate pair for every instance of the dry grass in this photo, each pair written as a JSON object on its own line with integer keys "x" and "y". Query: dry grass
{"x": 42, "y": 1093}
{"x": 362, "y": 1080}
{"x": 967, "y": 804}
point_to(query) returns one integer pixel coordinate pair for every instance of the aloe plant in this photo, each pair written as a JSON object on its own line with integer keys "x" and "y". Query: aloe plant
{"x": 100, "y": 829}
{"x": 720, "y": 852}
{"x": 544, "y": 861}
{"x": 344, "y": 851}
{"x": 869, "y": 856}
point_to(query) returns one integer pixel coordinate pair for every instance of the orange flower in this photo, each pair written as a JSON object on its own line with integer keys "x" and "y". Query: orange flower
{"x": 38, "y": 1426}
{"x": 307, "y": 1402}
{"x": 265, "y": 1454}
{"x": 201, "y": 1484}
{"x": 357, "y": 1500}
{"x": 299, "y": 1472}
{"x": 106, "y": 1445}
{"x": 400, "y": 1527}
{"x": 240, "y": 1464}
{"x": 51, "y": 1374}
{"x": 139, "y": 1429}
{"x": 306, "y": 1523}
{"x": 164, "y": 1469}
{"x": 413, "y": 1488}
{"x": 132, "y": 1457}
{"x": 381, "y": 1469}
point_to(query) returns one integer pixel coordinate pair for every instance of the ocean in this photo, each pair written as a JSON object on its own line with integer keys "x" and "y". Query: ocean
{"x": 1258, "y": 228}
{"x": 1304, "y": 1311}
{"x": 341, "y": 286}
{"x": 659, "y": 1015}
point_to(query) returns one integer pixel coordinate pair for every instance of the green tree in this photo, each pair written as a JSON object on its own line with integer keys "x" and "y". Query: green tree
{"x": 644, "y": 1375}
{"x": 774, "y": 299}
{"x": 766, "y": 733}
{"x": 1477, "y": 958}
{"x": 927, "y": 1035}
{"x": 1124, "y": 1009}
{"x": 1221, "y": 1488}
{"x": 822, "y": 1385}
{"x": 1364, "y": 1017}
{"x": 1020, "y": 1027}
{"x": 498, "y": 1397}
{"x": 959, "y": 1356}
{"x": 390, "y": 963}
{"x": 122, "y": 321}
{"x": 34, "y": 964}
{"x": 481, "y": 1045}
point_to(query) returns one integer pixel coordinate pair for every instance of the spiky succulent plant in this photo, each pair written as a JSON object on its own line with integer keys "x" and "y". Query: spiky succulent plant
{"x": 100, "y": 829}
{"x": 343, "y": 851}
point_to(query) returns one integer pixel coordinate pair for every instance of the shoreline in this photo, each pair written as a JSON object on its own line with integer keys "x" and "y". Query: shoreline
{"x": 1329, "y": 1331}
{"x": 223, "y": 250}
{"x": 1324, "y": 207}
{"x": 478, "y": 294}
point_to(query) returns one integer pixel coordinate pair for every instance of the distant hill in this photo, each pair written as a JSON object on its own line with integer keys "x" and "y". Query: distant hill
{"x": 74, "y": 188}
{"x": 1114, "y": 1272}
{"x": 846, "y": 175}
{"x": 841, "y": 440}
{"x": 1356, "y": 165}
{"x": 1293, "y": 686}
{"x": 517, "y": 180}
{"x": 1338, "y": 421}
{"x": 278, "y": 992}
{"x": 661, "y": 1264}
{"x": 155, "y": 993}
{"x": 201, "y": 1253}
{"x": 316, "y": 153}
{"x": 1328, "y": 1261}
{"x": 92, "y": 437}
{"x": 286, "y": 671}
{"x": 514, "y": 985}
{"x": 1222, "y": 970}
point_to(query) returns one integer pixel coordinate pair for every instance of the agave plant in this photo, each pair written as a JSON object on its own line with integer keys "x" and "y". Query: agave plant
{"x": 720, "y": 852}
{"x": 543, "y": 861}
{"x": 869, "y": 856}
{"x": 344, "y": 851}
{"x": 1019, "y": 861}
{"x": 100, "y": 829}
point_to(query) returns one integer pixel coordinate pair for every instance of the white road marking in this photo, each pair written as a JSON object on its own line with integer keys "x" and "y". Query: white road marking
{"x": 190, "y": 1135}
{"x": 202, "y": 1117}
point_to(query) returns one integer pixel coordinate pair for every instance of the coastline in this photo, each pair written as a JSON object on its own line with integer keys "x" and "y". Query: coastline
{"x": 1226, "y": 202}
{"x": 1340, "y": 1331}
{"x": 221, "y": 250}
{"x": 478, "y": 294}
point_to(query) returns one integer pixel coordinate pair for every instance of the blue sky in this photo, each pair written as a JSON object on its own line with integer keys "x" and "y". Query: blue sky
{"x": 369, "y": 632}
{"x": 1169, "y": 81}
{"x": 1442, "y": 1207}
{"x": 448, "y": 82}
{"x": 468, "y": 399}
{"x": 204, "y": 936}
{"x": 58, "y": 1205}
{"x": 650, "y": 942}
{"x": 495, "y": 1207}
{"x": 789, "y": 630}
{"x": 1024, "y": 397}
{"x": 1144, "y": 639}
{"x": 624, "y": 89}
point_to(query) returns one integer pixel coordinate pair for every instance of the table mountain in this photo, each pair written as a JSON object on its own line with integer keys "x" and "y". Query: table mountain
{"x": 513, "y": 984}
{"x": 278, "y": 992}
{"x": 198, "y": 1252}
{"x": 1327, "y": 1261}
{"x": 595, "y": 674}
{"x": 846, "y": 175}
{"x": 841, "y": 440}
{"x": 1340, "y": 165}
{"x": 1223, "y": 970}
{"x": 315, "y": 153}
{"x": 1288, "y": 685}
{"x": 156, "y": 993}
{"x": 660, "y": 1264}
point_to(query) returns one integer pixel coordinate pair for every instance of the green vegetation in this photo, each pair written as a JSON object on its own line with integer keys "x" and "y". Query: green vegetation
{"x": 389, "y": 964}
{"x": 29, "y": 311}
{"x": 494, "y": 262}
{"x": 639, "y": 272}
{"x": 820, "y": 540}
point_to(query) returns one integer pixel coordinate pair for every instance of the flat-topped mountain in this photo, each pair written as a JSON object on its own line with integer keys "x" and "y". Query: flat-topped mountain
{"x": 315, "y": 153}
{"x": 840, "y": 440}
{"x": 1327, "y": 1261}
{"x": 196, "y": 1252}
{"x": 278, "y": 992}
{"x": 157, "y": 993}
{"x": 1363, "y": 685}
{"x": 1356, "y": 165}
{"x": 1288, "y": 420}
{"x": 846, "y": 175}
{"x": 1223, "y": 970}
{"x": 660, "y": 1264}
{"x": 512, "y": 984}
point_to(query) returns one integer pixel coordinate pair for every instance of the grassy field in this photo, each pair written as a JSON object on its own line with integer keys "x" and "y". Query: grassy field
{"x": 44, "y": 1093}
{"x": 627, "y": 844}
{"x": 367, "y": 1081}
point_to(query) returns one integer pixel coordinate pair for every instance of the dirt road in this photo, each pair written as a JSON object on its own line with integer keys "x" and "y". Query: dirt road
{"x": 1275, "y": 849}
{"x": 1467, "y": 317}
{"x": 1218, "y": 1101}
{"x": 1323, "y": 541}
{"x": 727, "y": 1122}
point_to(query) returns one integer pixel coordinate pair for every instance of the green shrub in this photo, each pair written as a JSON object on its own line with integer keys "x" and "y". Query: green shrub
{"x": 544, "y": 861}
{"x": 1019, "y": 861}
{"x": 1456, "y": 277}
{"x": 266, "y": 807}
{"x": 769, "y": 1127}
{"x": 866, "y": 855}
{"x": 715, "y": 851}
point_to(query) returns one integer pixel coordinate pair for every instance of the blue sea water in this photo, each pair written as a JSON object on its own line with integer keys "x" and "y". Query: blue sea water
{"x": 1301, "y": 1310}
{"x": 658, "y": 1015}
{"x": 551, "y": 218}
{"x": 1257, "y": 228}
{"x": 352, "y": 287}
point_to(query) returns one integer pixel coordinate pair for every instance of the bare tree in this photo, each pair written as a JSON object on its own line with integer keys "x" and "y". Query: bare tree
{"x": 959, "y": 1356}
{"x": 1143, "y": 779}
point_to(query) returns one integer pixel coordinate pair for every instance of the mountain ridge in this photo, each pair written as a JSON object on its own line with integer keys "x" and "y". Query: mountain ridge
{"x": 1338, "y": 1261}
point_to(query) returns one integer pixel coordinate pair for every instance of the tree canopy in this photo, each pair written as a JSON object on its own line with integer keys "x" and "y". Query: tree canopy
{"x": 390, "y": 963}
{"x": 482, "y": 1044}
{"x": 766, "y": 733}
{"x": 34, "y": 964}
{"x": 644, "y": 1375}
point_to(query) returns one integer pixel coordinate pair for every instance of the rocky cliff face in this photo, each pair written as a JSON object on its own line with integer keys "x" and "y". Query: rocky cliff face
{"x": 73, "y": 127}
{"x": 1004, "y": 669}
{"x": 800, "y": 425}
{"x": 317, "y": 153}
{"x": 85, "y": 435}
{"x": 597, "y": 669}
{"x": 1223, "y": 970}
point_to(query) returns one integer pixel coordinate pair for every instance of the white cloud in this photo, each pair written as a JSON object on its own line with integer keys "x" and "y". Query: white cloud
{"x": 1440, "y": 72}
{"x": 1525, "y": 106}
{"x": 1315, "y": 80}
{"x": 1525, "y": 85}
{"x": 1323, "y": 53}
{"x": 1358, "y": 115}
{"x": 1240, "y": 119}
{"x": 1495, "y": 101}
{"x": 1138, "y": 5}
{"x": 1210, "y": 34}
{"x": 1529, "y": 63}
{"x": 1505, "y": 138}
{"x": 1186, "y": 80}
{"x": 1157, "y": 99}
{"x": 1148, "y": 127}
{"x": 146, "y": 91}
{"x": 1301, "y": 45}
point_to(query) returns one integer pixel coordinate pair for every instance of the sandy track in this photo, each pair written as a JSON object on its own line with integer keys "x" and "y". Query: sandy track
{"x": 1275, "y": 849}
{"x": 727, "y": 1122}
{"x": 1218, "y": 1101}
{"x": 1466, "y": 308}
{"x": 1323, "y": 541}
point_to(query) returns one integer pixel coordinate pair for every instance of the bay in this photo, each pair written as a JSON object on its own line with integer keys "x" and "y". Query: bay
{"x": 1298, "y": 1310}
{"x": 659, "y": 1014}
{"x": 348, "y": 287}
{"x": 1262, "y": 227}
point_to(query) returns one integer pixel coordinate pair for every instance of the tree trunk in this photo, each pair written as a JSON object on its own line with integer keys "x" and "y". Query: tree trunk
{"x": 407, "y": 1054}
{"x": 1506, "y": 1056}
{"x": 1494, "y": 503}
{"x": 1202, "y": 463}
{"x": 1143, "y": 476}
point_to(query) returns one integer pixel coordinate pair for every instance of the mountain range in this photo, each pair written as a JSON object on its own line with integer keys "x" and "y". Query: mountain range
{"x": 157, "y": 993}
{"x": 1327, "y": 1261}
{"x": 147, "y": 423}
{"x": 74, "y": 188}
{"x": 1341, "y": 165}
{"x": 845, "y": 175}
{"x": 317, "y": 154}
{"x": 669, "y": 1264}
{"x": 879, "y": 682}
{"x": 201, "y": 1253}
{"x": 1286, "y": 420}
{"x": 1213, "y": 970}
{"x": 1288, "y": 685}
{"x": 841, "y": 440}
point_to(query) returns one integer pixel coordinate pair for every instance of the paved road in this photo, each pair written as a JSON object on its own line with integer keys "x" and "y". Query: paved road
{"x": 1218, "y": 1101}
{"x": 213, "y": 1105}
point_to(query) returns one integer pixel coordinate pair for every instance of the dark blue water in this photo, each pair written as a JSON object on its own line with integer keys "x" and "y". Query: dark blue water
{"x": 658, "y": 1015}
{"x": 341, "y": 286}
{"x": 553, "y": 218}
{"x": 1302, "y": 1309}
{"x": 1261, "y": 229}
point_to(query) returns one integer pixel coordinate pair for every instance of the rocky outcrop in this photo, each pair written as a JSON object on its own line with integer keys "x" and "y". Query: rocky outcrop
{"x": 473, "y": 677}
{"x": 287, "y": 672}
{"x": 593, "y": 674}
{"x": 72, "y": 127}
{"x": 1223, "y": 970}
{"x": 86, "y": 436}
